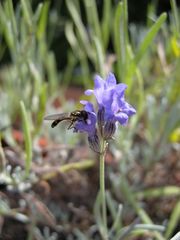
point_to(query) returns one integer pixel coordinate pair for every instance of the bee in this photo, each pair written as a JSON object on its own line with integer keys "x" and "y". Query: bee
{"x": 72, "y": 117}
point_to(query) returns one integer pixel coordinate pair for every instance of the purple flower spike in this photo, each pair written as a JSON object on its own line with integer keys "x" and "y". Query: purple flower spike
{"x": 89, "y": 125}
{"x": 110, "y": 96}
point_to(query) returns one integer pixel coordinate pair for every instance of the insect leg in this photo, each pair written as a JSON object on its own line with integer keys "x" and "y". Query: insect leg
{"x": 71, "y": 125}
{"x": 55, "y": 123}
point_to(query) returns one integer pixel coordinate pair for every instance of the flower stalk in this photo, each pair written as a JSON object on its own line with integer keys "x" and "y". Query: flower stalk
{"x": 101, "y": 126}
{"x": 102, "y": 186}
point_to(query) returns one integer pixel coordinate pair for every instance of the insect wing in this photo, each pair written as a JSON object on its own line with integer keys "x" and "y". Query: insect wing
{"x": 59, "y": 116}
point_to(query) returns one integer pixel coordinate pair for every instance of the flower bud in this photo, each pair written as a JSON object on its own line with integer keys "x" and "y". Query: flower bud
{"x": 100, "y": 119}
{"x": 109, "y": 130}
{"x": 94, "y": 143}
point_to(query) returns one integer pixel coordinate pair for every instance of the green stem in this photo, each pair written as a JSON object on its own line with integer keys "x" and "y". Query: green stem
{"x": 86, "y": 163}
{"x": 102, "y": 187}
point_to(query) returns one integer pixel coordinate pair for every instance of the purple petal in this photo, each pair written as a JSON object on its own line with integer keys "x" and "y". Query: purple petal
{"x": 120, "y": 88}
{"x": 116, "y": 103}
{"x": 99, "y": 94}
{"x": 128, "y": 109}
{"x": 110, "y": 81}
{"x": 84, "y": 102}
{"x": 98, "y": 82}
{"x": 88, "y": 92}
{"x": 122, "y": 106}
{"x": 87, "y": 106}
{"x": 122, "y": 118}
{"x": 107, "y": 98}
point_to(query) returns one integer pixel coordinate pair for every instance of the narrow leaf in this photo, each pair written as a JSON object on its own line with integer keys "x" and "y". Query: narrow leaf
{"x": 27, "y": 137}
{"x": 41, "y": 29}
{"x": 149, "y": 38}
{"x": 174, "y": 219}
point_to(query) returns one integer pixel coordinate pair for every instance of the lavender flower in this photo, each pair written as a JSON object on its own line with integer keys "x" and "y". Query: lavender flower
{"x": 112, "y": 108}
{"x": 110, "y": 96}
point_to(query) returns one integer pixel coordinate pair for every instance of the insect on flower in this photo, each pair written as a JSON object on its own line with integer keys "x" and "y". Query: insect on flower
{"x": 73, "y": 117}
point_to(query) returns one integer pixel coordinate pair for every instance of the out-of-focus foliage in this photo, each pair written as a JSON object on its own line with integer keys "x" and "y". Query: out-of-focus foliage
{"x": 32, "y": 66}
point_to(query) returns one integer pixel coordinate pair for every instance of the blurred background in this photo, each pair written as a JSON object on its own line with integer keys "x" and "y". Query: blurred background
{"x": 50, "y": 52}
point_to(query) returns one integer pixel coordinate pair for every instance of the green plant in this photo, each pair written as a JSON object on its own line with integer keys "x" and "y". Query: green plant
{"x": 24, "y": 33}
